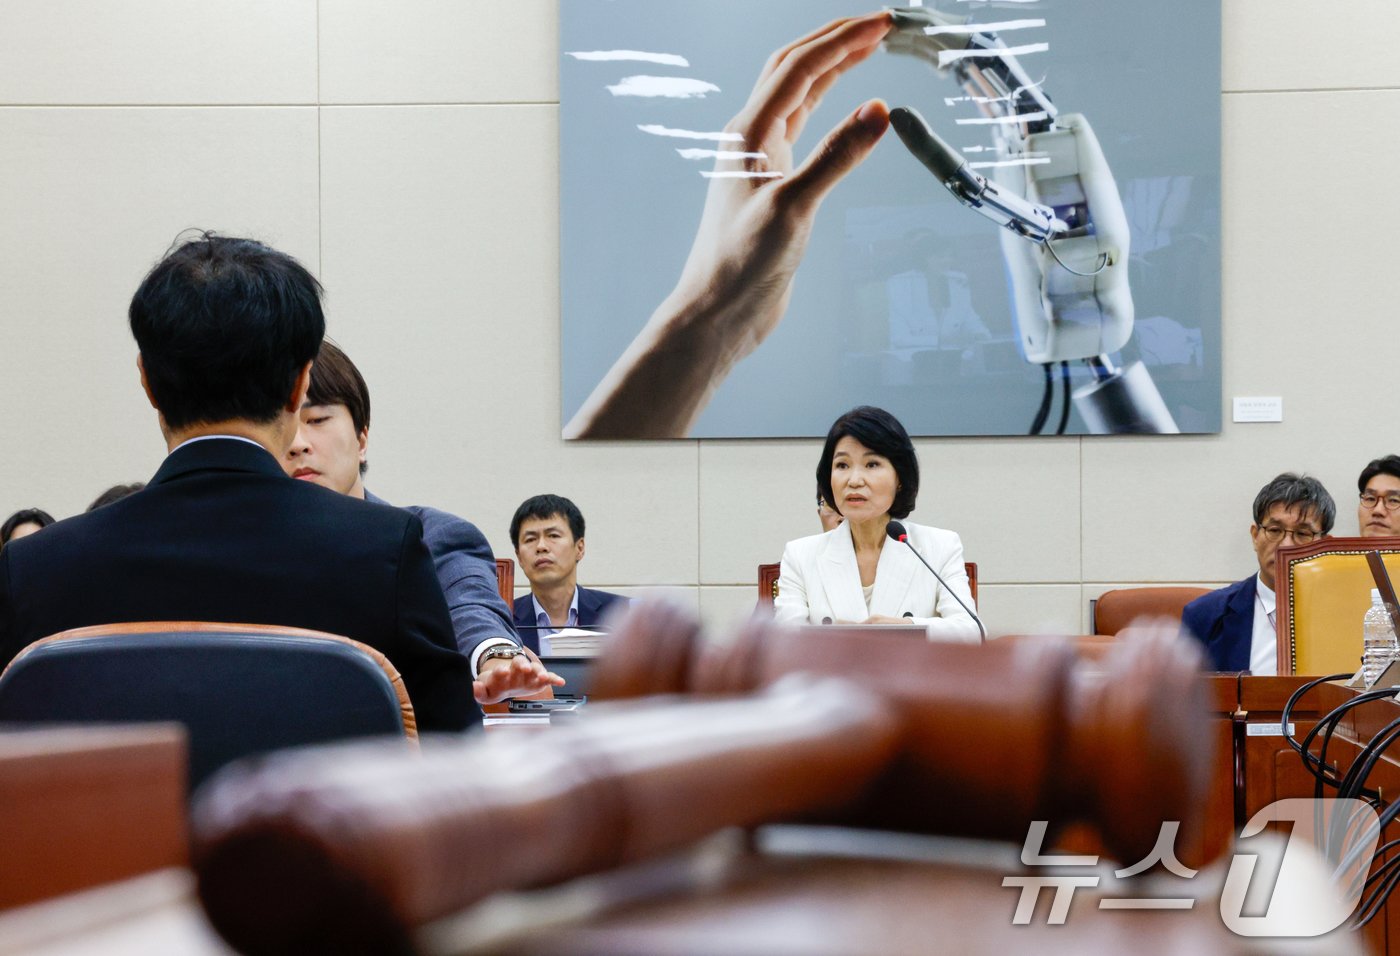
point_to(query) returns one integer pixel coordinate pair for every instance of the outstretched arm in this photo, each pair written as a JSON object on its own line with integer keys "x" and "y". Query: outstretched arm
{"x": 753, "y": 233}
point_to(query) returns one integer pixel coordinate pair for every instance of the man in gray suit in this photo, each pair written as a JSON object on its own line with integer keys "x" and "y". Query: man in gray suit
{"x": 331, "y": 450}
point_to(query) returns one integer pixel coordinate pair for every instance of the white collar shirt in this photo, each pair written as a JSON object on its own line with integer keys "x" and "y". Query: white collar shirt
{"x": 1263, "y": 647}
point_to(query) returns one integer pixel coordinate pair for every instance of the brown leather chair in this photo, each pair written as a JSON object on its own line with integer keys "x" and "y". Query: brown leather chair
{"x": 239, "y": 689}
{"x": 768, "y": 581}
{"x": 1116, "y": 609}
{"x": 505, "y": 580}
{"x": 1324, "y": 589}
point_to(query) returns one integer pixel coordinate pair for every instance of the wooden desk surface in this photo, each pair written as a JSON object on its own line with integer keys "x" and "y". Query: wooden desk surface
{"x": 817, "y": 903}
{"x": 84, "y": 806}
{"x": 927, "y": 896}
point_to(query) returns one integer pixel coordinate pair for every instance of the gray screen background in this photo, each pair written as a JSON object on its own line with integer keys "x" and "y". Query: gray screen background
{"x": 1147, "y": 77}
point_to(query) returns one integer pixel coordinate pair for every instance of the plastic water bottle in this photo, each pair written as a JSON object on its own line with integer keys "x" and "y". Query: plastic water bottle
{"x": 1378, "y": 644}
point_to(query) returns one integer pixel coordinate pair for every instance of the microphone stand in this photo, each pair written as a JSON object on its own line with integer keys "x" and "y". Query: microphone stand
{"x": 896, "y": 530}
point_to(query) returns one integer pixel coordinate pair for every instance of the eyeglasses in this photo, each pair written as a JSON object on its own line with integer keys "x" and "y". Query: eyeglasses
{"x": 1369, "y": 499}
{"x": 1300, "y": 535}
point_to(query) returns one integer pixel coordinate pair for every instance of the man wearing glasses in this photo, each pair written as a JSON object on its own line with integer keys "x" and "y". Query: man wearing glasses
{"x": 1378, "y": 515}
{"x": 1237, "y": 623}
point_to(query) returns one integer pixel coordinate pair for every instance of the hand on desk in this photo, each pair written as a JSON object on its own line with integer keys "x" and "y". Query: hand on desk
{"x": 753, "y": 233}
{"x": 521, "y": 676}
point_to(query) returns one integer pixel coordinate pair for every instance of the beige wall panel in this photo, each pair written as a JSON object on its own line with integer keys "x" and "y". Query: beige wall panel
{"x": 1030, "y": 609}
{"x": 91, "y": 199}
{"x": 723, "y": 609}
{"x": 439, "y": 51}
{"x": 1013, "y": 503}
{"x": 1175, "y": 509}
{"x": 754, "y": 497}
{"x": 441, "y": 266}
{"x": 1303, "y": 319}
{"x": 157, "y": 51}
{"x": 1301, "y": 45}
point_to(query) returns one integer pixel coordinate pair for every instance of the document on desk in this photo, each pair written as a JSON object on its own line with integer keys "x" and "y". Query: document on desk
{"x": 540, "y": 719}
{"x": 572, "y": 642}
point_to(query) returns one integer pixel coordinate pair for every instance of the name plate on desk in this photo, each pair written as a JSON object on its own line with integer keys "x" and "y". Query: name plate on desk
{"x": 916, "y": 631}
{"x": 1267, "y": 730}
{"x": 1390, "y": 677}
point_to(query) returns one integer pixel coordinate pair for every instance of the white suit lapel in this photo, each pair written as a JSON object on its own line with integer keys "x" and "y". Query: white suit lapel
{"x": 894, "y": 576}
{"x": 841, "y": 577}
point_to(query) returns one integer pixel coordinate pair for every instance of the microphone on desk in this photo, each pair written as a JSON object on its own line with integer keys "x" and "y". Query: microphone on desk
{"x": 895, "y": 530}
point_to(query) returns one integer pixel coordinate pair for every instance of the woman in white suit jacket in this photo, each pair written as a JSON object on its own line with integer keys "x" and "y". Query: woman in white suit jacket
{"x": 855, "y": 573}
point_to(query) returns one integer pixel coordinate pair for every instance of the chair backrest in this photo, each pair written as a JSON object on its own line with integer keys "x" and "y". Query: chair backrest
{"x": 1116, "y": 609}
{"x": 238, "y": 689}
{"x": 768, "y": 581}
{"x": 1324, "y": 589}
{"x": 505, "y": 580}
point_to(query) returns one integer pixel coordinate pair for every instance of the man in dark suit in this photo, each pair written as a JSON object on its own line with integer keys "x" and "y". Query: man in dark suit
{"x": 1237, "y": 624}
{"x": 547, "y": 531}
{"x": 227, "y": 330}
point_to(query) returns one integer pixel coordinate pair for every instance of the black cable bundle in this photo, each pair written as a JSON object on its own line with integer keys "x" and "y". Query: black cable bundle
{"x": 1045, "y": 400}
{"x": 1352, "y": 785}
{"x": 1064, "y": 408}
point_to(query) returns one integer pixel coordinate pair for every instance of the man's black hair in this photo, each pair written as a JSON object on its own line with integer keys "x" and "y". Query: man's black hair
{"x": 336, "y": 381}
{"x": 1389, "y": 465}
{"x": 546, "y": 506}
{"x": 224, "y": 325}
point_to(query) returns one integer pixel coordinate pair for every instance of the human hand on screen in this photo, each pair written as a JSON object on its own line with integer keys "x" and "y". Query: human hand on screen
{"x": 753, "y": 233}
{"x": 521, "y": 676}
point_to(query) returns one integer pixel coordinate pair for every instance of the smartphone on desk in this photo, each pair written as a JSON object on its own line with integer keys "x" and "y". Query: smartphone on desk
{"x": 559, "y": 705}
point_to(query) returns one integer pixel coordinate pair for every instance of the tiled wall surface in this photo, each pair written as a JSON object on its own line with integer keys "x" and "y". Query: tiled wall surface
{"x": 407, "y": 152}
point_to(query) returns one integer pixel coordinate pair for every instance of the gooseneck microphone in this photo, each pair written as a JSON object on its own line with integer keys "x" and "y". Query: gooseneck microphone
{"x": 895, "y": 530}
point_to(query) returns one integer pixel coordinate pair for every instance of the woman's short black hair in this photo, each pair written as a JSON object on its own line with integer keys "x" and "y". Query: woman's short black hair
{"x": 882, "y": 433}
{"x": 27, "y": 516}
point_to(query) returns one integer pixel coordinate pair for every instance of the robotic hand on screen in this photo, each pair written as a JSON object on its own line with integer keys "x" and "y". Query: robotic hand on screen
{"x": 1065, "y": 238}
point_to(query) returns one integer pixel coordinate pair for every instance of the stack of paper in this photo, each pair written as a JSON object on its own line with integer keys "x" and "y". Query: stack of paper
{"x": 572, "y": 642}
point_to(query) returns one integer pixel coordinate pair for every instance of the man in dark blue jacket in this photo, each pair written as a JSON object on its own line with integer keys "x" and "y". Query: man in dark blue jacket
{"x": 1237, "y": 624}
{"x": 547, "y": 532}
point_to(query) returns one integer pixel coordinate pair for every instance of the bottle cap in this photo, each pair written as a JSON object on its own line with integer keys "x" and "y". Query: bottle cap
{"x": 1375, "y": 595}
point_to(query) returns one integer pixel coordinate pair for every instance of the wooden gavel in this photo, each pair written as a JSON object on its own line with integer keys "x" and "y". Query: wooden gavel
{"x": 353, "y": 848}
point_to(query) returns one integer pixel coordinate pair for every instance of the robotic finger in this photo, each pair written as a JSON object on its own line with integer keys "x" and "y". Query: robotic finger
{"x": 1027, "y": 219}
